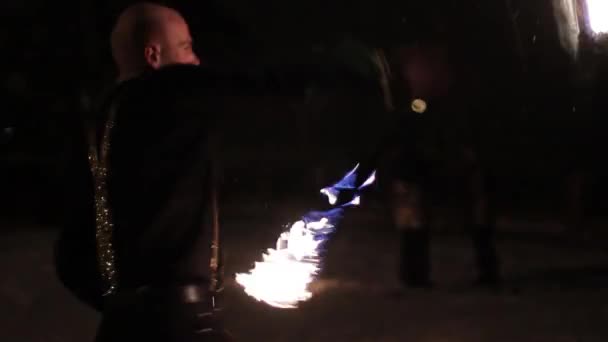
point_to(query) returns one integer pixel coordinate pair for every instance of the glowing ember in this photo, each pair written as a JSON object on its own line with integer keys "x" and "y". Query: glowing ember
{"x": 598, "y": 15}
{"x": 282, "y": 278}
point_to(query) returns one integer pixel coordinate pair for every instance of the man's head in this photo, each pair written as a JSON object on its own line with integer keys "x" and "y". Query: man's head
{"x": 149, "y": 36}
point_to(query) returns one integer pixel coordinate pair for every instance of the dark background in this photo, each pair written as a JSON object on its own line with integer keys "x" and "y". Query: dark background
{"x": 542, "y": 132}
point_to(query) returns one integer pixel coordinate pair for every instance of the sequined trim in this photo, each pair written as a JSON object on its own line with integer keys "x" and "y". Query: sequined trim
{"x": 98, "y": 163}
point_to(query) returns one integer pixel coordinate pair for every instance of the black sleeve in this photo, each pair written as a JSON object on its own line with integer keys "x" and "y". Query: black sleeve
{"x": 76, "y": 265}
{"x": 75, "y": 249}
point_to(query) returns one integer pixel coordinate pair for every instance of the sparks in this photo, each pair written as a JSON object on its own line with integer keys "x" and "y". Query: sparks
{"x": 282, "y": 279}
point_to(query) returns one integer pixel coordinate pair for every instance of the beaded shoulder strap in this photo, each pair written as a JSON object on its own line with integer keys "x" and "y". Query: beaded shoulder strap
{"x": 98, "y": 162}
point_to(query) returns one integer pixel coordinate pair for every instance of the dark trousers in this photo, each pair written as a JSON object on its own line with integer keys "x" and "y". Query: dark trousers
{"x": 159, "y": 316}
{"x": 411, "y": 208}
{"x": 415, "y": 259}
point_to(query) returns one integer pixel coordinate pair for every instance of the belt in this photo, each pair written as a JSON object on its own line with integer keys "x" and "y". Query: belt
{"x": 194, "y": 302}
{"x": 184, "y": 293}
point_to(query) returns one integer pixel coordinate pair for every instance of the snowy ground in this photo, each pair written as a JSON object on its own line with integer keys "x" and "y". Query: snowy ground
{"x": 555, "y": 290}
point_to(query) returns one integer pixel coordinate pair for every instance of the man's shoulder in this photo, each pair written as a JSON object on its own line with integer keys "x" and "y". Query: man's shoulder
{"x": 185, "y": 79}
{"x": 172, "y": 79}
{"x": 178, "y": 89}
{"x": 164, "y": 87}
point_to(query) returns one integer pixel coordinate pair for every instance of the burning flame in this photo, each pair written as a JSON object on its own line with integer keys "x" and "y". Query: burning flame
{"x": 282, "y": 278}
{"x": 598, "y": 15}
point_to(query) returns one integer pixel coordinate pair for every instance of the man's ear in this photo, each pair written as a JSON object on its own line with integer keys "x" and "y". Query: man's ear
{"x": 152, "y": 55}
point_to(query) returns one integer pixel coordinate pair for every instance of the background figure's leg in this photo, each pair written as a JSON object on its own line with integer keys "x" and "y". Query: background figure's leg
{"x": 483, "y": 230}
{"x": 409, "y": 219}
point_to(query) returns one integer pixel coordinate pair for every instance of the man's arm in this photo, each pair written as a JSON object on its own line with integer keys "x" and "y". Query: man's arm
{"x": 75, "y": 249}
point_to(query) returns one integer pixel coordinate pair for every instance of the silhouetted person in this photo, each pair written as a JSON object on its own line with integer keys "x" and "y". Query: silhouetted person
{"x": 437, "y": 155}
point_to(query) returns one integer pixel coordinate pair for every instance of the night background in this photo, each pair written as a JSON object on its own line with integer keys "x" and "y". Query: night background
{"x": 539, "y": 87}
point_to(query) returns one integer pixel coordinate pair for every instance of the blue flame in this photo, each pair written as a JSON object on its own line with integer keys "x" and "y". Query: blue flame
{"x": 335, "y": 215}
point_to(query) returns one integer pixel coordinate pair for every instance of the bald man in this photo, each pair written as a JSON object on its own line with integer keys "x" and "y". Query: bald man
{"x": 141, "y": 247}
{"x": 149, "y": 36}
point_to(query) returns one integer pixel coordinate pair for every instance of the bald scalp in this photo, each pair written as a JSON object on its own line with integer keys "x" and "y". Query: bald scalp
{"x": 138, "y": 26}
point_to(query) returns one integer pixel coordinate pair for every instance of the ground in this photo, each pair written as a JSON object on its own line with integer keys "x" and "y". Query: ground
{"x": 556, "y": 289}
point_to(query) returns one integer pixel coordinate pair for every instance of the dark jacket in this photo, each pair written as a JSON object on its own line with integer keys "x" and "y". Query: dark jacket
{"x": 160, "y": 162}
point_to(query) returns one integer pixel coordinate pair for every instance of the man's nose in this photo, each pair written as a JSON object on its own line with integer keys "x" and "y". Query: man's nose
{"x": 196, "y": 61}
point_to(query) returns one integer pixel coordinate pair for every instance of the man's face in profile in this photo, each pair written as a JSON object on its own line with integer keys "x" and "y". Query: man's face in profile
{"x": 177, "y": 44}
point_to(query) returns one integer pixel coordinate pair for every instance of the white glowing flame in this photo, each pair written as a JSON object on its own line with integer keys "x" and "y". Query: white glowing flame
{"x": 332, "y": 195}
{"x": 598, "y": 15}
{"x": 282, "y": 279}
{"x": 369, "y": 181}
